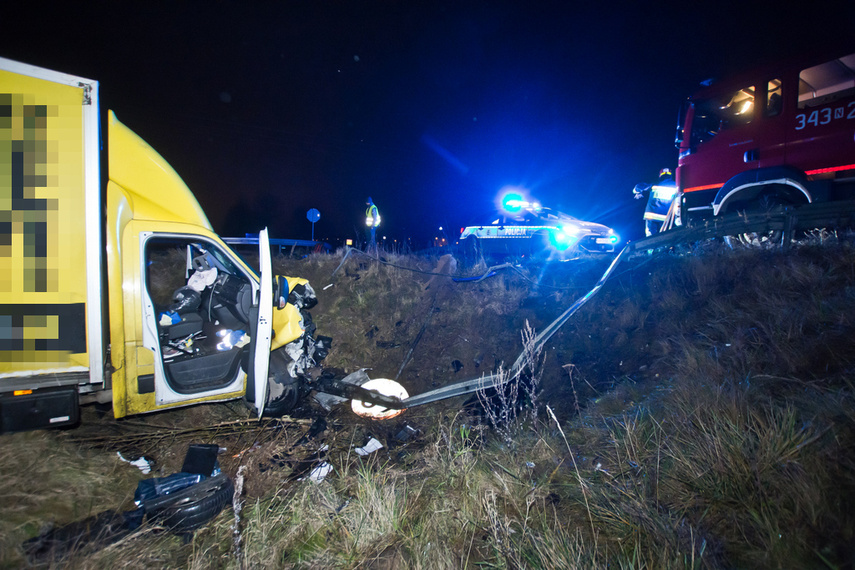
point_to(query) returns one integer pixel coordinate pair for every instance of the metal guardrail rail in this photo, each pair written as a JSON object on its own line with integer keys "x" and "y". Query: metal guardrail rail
{"x": 280, "y": 243}
{"x": 840, "y": 214}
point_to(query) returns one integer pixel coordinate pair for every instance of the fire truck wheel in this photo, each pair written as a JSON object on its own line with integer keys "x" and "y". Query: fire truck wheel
{"x": 194, "y": 506}
{"x": 772, "y": 238}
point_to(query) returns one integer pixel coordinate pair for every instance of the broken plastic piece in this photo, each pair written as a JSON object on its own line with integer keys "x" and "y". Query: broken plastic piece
{"x": 406, "y": 433}
{"x": 201, "y": 458}
{"x": 370, "y": 447}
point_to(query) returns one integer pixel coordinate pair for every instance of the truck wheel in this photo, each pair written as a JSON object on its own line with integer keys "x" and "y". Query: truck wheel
{"x": 190, "y": 508}
{"x": 283, "y": 390}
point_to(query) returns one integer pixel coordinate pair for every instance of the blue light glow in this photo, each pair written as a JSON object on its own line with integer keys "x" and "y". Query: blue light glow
{"x": 512, "y": 202}
{"x": 561, "y": 241}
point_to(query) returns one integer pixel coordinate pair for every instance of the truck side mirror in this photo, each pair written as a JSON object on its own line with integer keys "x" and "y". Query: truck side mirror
{"x": 280, "y": 291}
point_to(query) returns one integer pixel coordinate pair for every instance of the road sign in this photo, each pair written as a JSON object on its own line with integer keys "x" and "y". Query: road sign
{"x": 313, "y": 216}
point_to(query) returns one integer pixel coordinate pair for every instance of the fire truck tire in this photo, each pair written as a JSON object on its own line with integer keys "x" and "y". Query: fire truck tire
{"x": 193, "y": 507}
{"x": 759, "y": 239}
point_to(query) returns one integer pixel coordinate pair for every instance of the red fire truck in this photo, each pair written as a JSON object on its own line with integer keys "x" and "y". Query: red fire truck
{"x": 782, "y": 135}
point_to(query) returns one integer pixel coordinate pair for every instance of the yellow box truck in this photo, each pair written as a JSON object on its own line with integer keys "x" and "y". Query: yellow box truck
{"x": 119, "y": 291}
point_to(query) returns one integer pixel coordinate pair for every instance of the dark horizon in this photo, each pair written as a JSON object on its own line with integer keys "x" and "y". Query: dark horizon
{"x": 268, "y": 110}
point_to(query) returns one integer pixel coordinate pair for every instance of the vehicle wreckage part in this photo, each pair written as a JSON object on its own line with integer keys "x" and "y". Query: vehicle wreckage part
{"x": 190, "y": 508}
{"x": 497, "y": 380}
{"x": 374, "y": 411}
{"x": 332, "y": 391}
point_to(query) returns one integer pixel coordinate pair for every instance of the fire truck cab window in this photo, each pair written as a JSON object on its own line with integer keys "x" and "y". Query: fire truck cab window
{"x": 717, "y": 114}
{"x": 773, "y": 98}
{"x": 827, "y": 82}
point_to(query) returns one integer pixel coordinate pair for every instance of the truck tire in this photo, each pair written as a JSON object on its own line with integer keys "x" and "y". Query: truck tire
{"x": 189, "y": 509}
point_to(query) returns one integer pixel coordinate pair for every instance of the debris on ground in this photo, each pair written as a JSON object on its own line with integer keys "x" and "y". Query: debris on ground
{"x": 142, "y": 463}
{"x": 181, "y": 503}
{"x": 369, "y": 448}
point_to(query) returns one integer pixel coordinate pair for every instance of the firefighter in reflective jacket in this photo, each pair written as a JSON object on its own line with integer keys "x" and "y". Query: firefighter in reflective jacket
{"x": 660, "y": 196}
{"x": 372, "y": 220}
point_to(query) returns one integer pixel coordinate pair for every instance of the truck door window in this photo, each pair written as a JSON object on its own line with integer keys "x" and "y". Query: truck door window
{"x": 827, "y": 82}
{"x": 773, "y": 98}
{"x": 721, "y": 113}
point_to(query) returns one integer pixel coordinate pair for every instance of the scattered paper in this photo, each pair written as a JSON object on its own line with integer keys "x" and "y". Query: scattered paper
{"x": 142, "y": 463}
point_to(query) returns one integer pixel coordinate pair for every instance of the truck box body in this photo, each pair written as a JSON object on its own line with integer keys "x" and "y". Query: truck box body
{"x": 90, "y": 281}
{"x": 50, "y": 255}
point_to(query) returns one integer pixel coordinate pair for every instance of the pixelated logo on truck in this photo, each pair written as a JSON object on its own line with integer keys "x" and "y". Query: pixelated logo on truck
{"x": 42, "y": 224}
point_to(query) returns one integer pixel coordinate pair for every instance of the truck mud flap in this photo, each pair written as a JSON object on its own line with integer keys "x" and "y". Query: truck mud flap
{"x": 37, "y": 409}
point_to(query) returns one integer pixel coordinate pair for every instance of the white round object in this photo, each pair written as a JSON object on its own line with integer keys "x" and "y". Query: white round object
{"x": 376, "y": 412}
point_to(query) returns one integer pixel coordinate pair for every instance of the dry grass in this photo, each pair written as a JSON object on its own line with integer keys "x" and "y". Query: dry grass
{"x": 706, "y": 422}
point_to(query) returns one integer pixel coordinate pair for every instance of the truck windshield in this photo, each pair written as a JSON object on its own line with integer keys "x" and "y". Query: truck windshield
{"x": 716, "y": 114}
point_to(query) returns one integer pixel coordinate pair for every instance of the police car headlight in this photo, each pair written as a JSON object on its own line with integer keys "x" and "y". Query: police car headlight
{"x": 561, "y": 240}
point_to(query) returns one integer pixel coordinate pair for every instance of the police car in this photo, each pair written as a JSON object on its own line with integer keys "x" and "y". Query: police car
{"x": 529, "y": 229}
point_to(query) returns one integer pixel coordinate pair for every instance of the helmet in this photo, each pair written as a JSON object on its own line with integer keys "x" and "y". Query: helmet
{"x": 185, "y": 300}
{"x": 664, "y": 172}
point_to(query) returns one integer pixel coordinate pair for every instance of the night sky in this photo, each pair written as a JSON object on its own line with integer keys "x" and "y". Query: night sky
{"x": 267, "y": 109}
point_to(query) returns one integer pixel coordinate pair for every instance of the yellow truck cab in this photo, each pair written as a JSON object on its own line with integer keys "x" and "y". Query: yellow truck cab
{"x": 122, "y": 292}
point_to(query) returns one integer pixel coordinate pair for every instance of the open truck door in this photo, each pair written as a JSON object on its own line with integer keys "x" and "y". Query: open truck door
{"x": 260, "y": 341}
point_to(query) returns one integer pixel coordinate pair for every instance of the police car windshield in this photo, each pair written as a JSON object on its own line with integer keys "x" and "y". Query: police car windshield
{"x": 528, "y": 217}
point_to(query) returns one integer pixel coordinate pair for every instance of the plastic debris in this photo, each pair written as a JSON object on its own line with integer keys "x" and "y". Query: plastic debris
{"x": 168, "y": 318}
{"x": 320, "y": 472}
{"x": 142, "y": 463}
{"x": 406, "y": 433}
{"x": 369, "y": 448}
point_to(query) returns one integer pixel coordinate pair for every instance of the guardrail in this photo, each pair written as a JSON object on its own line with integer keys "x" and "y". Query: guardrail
{"x": 280, "y": 243}
{"x": 838, "y": 214}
